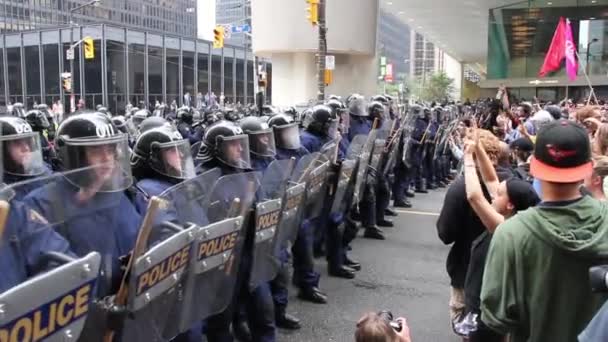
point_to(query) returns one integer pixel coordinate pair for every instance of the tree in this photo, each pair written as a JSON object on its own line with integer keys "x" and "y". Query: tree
{"x": 439, "y": 87}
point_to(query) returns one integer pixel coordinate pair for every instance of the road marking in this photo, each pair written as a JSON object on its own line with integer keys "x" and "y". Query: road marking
{"x": 413, "y": 212}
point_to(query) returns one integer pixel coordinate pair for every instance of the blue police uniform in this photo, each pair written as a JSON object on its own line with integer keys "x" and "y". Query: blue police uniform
{"x": 258, "y": 301}
{"x": 429, "y": 145}
{"x": 193, "y": 135}
{"x": 359, "y": 125}
{"x": 420, "y": 127}
{"x": 283, "y": 153}
{"x": 107, "y": 223}
{"x": 23, "y": 189}
{"x": 22, "y": 247}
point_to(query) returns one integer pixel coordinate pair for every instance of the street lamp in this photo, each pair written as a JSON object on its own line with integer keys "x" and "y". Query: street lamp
{"x": 594, "y": 40}
{"x": 72, "y": 11}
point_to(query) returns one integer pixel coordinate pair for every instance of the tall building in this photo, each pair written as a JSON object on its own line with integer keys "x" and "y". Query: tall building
{"x": 234, "y": 12}
{"x": 166, "y": 16}
{"x": 424, "y": 56}
{"x": 394, "y": 42}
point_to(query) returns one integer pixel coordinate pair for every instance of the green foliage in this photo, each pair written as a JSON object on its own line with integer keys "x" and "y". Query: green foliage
{"x": 437, "y": 87}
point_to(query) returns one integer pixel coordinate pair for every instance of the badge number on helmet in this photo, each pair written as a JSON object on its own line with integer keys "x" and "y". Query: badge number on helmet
{"x": 23, "y": 128}
{"x": 104, "y": 131}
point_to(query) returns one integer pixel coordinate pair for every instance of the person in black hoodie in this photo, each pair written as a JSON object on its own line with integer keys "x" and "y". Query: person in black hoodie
{"x": 460, "y": 226}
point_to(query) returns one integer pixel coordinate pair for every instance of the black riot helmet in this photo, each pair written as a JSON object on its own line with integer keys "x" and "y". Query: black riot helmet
{"x": 96, "y": 151}
{"x": 437, "y": 113}
{"x": 21, "y": 151}
{"x": 37, "y": 120}
{"x": 139, "y": 116}
{"x": 416, "y": 111}
{"x": 555, "y": 111}
{"x": 356, "y": 106}
{"x": 336, "y": 106}
{"x": 377, "y": 111}
{"x": 381, "y": 98}
{"x": 261, "y": 137}
{"x": 426, "y": 113}
{"x": 305, "y": 117}
{"x": 152, "y": 122}
{"x": 121, "y": 123}
{"x": 322, "y": 122}
{"x": 162, "y": 151}
{"x": 184, "y": 114}
{"x": 18, "y": 110}
{"x": 225, "y": 142}
{"x": 286, "y": 132}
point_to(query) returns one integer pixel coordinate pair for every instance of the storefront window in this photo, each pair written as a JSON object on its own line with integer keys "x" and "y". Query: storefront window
{"x": 188, "y": 71}
{"x": 136, "y": 51}
{"x": 115, "y": 56}
{"x": 155, "y": 69}
{"x": 203, "y": 69}
{"x": 172, "y": 52}
{"x": 228, "y": 75}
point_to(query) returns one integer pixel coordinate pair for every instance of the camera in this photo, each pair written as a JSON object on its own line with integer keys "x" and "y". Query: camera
{"x": 388, "y": 317}
{"x": 598, "y": 277}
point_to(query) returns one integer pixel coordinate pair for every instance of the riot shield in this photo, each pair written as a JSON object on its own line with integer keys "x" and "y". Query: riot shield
{"x": 295, "y": 195}
{"x": 316, "y": 186}
{"x": 52, "y": 306}
{"x": 330, "y": 150}
{"x": 346, "y": 177}
{"x": 268, "y": 213}
{"x": 157, "y": 279}
{"x": 211, "y": 279}
{"x": 83, "y": 206}
{"x": 363, "y": 162}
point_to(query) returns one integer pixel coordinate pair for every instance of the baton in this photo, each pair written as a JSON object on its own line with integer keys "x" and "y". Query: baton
{"x": 4, "y": 209}
{"x": 140, "y": 247}
{"x": 233, "y": 211}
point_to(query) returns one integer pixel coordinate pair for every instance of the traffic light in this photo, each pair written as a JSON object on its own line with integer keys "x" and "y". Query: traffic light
{"x": 218, "y": 37}
{"x": 313, "y": 12}
{"x": 89, "y": 48}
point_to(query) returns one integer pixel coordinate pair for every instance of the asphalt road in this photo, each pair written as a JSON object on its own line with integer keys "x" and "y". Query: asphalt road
{"x": 404, "y": 274}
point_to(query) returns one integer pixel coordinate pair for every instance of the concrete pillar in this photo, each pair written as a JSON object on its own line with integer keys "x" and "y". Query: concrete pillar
{"x": 282, "y": 33}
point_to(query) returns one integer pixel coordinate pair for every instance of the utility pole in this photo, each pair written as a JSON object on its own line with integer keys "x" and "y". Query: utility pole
{"x": 322, "y": 53}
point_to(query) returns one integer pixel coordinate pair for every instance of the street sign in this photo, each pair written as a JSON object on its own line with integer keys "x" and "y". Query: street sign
{"x": 241, "y": 29}
{"x": 69, "y": 54}
{"x": 330, "y": 62}
{"x": 382, "y": 61}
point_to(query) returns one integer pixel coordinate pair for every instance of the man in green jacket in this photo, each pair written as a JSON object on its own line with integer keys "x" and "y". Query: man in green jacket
{"x": 536, "y": 284}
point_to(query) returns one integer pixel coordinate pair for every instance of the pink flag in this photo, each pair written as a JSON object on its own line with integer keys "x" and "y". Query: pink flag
{"x": 571, "y": 63}
{"x": 557, "y": 49}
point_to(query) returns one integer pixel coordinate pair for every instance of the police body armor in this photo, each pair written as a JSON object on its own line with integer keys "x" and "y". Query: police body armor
{"x": 316, "y": 186}
{"x": 268, "y": 215}
{"x": 52, "y": 306}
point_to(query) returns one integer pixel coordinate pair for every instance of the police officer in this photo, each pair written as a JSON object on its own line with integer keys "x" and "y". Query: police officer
{"x": 261, "y": 142}
{"x": 405, "y": 166}
{"x": 88, "y": 204}
{"x": 22, "y": 155}
{"x": 139, "y": 116}
{"x": 49, "y": 117}
{"x": 224, "y": 146}
{"x": 359, "y": 117}
{"x": 185, "y": 119}
{"x": 428, "y": 165}
{"x": 418, "y": 140}
{"x": 287, "y": 137}
{"x": 40, "y": 123}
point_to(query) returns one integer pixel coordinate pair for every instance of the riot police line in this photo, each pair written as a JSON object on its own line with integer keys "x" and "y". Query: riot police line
{"x": 169, "y": 225}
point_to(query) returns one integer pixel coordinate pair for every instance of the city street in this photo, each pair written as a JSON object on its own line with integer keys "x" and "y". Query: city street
{"x": 404, "y": 274}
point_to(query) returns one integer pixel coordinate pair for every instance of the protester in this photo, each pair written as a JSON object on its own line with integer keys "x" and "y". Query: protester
{"x": 595, "y": 182}
{"x": 524, "y": 292}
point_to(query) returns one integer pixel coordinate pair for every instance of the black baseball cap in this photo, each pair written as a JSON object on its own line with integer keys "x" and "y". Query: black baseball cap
{"x": 562, "y": 153}
{"x": 523, "y": 144}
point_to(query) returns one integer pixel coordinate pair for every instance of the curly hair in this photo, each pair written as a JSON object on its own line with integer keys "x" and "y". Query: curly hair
{"x": 601, "y": 140}
{"x": 587, "y": 112}
{"x": 490, "y": 143}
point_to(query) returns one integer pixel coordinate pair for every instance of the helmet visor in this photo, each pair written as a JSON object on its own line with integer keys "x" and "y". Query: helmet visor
{"x": 22, "y": 154}
{"x": 357, "y": 107}
{"x": 262, "y": 143}
{"x": 234, "y": 151}
{"x": 288, "y": 136}
{"x": 104, "y": 164}
{"x": 173, "y": 159}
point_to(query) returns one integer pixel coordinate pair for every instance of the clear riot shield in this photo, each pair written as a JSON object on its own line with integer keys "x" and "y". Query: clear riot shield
{"x": 211, "y": 279}
{"x": 295, "y": 195}
{"x": 344, "y": 187}
{"x": 330, "y": 150}
{"x": 268, "y": 213}
{"x": 316, "y": 186}
{"x": 52, "y": 306}
{"x": 84, "y": 207}
{"x": 363, "y": 163}
{"x": 158, "y": 277}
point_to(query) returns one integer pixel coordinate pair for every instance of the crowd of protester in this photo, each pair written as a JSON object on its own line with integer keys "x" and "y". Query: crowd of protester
{"x": 526, "y": 220}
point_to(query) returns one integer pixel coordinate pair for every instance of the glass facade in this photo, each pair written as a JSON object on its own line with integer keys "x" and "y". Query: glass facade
{"x": 167, "y": 16}
{"x": 129, "y": 66}
{"x": 520, "y": 35}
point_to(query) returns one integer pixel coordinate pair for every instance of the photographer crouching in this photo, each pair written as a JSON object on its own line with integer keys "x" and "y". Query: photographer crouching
{"x": 382, "y": 327}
